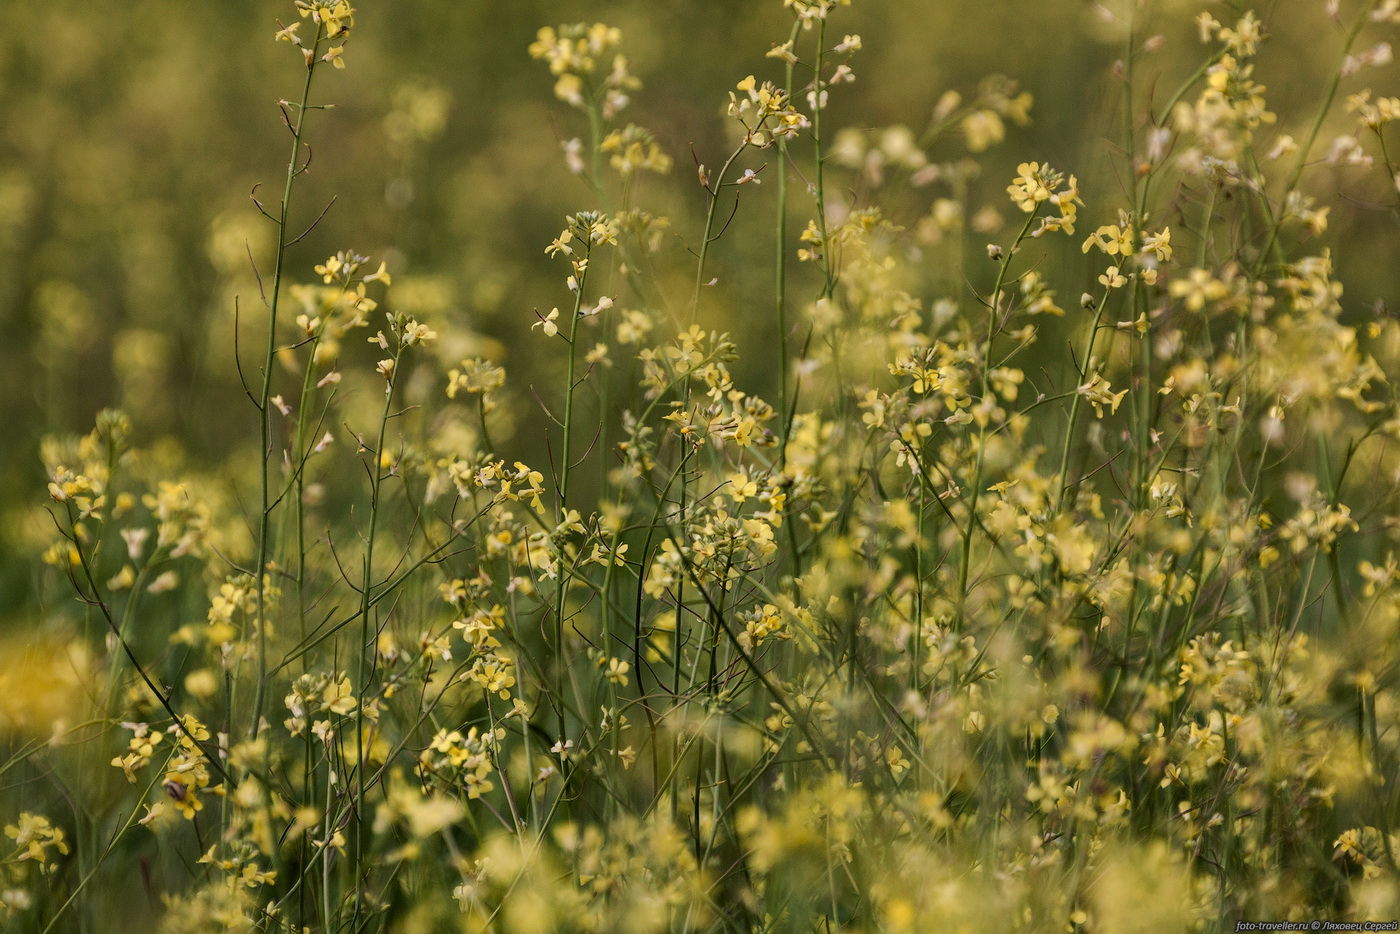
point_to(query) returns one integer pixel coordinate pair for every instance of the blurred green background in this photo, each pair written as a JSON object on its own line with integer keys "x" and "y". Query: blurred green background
{"x": 131, "y": 136}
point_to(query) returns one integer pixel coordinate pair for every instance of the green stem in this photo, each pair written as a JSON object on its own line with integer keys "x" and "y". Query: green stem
{"x": 1077, "y": 400}
{"x": 993, "y": 308}
{"x": 780, "y": 268}
{"x": 264, "y": 403}
{"x": 562, "y": 507}
{"x": 1296, "y": 176}
{"x": 820, "y": 173}
{"x": 368, "y": 646}
{"x": 710, "y": 226}
{"x": 564, "y": 466}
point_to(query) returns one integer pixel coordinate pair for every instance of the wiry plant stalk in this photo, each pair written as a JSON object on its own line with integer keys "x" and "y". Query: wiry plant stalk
{"x": 264, "y": 401}
{"x": 994, "y": 312}
{"x": 368, "y": 641}
{"x": 561, "y": 665}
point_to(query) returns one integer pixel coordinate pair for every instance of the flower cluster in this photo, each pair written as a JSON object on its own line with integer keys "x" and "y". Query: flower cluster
{"x": 588, "y": 64}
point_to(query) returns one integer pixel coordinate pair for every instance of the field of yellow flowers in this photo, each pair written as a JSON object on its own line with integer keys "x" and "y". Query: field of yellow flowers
{"x": 796, "y": 466}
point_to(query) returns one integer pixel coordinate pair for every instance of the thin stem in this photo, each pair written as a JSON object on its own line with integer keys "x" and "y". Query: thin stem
{"x": 1306, "y": 150}
{"x": 819, "y": 175}
{"x": 780, "y": 274}
{"x": 368, "y": 647}
{"x": 562, "y": 507}
{"x": 710, "y": 211}
{"x": 564, "y": 465}
{"x": 264, "y": 399}
{"x": 993, "y": 310}
{"x": 1076, "y": 401}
